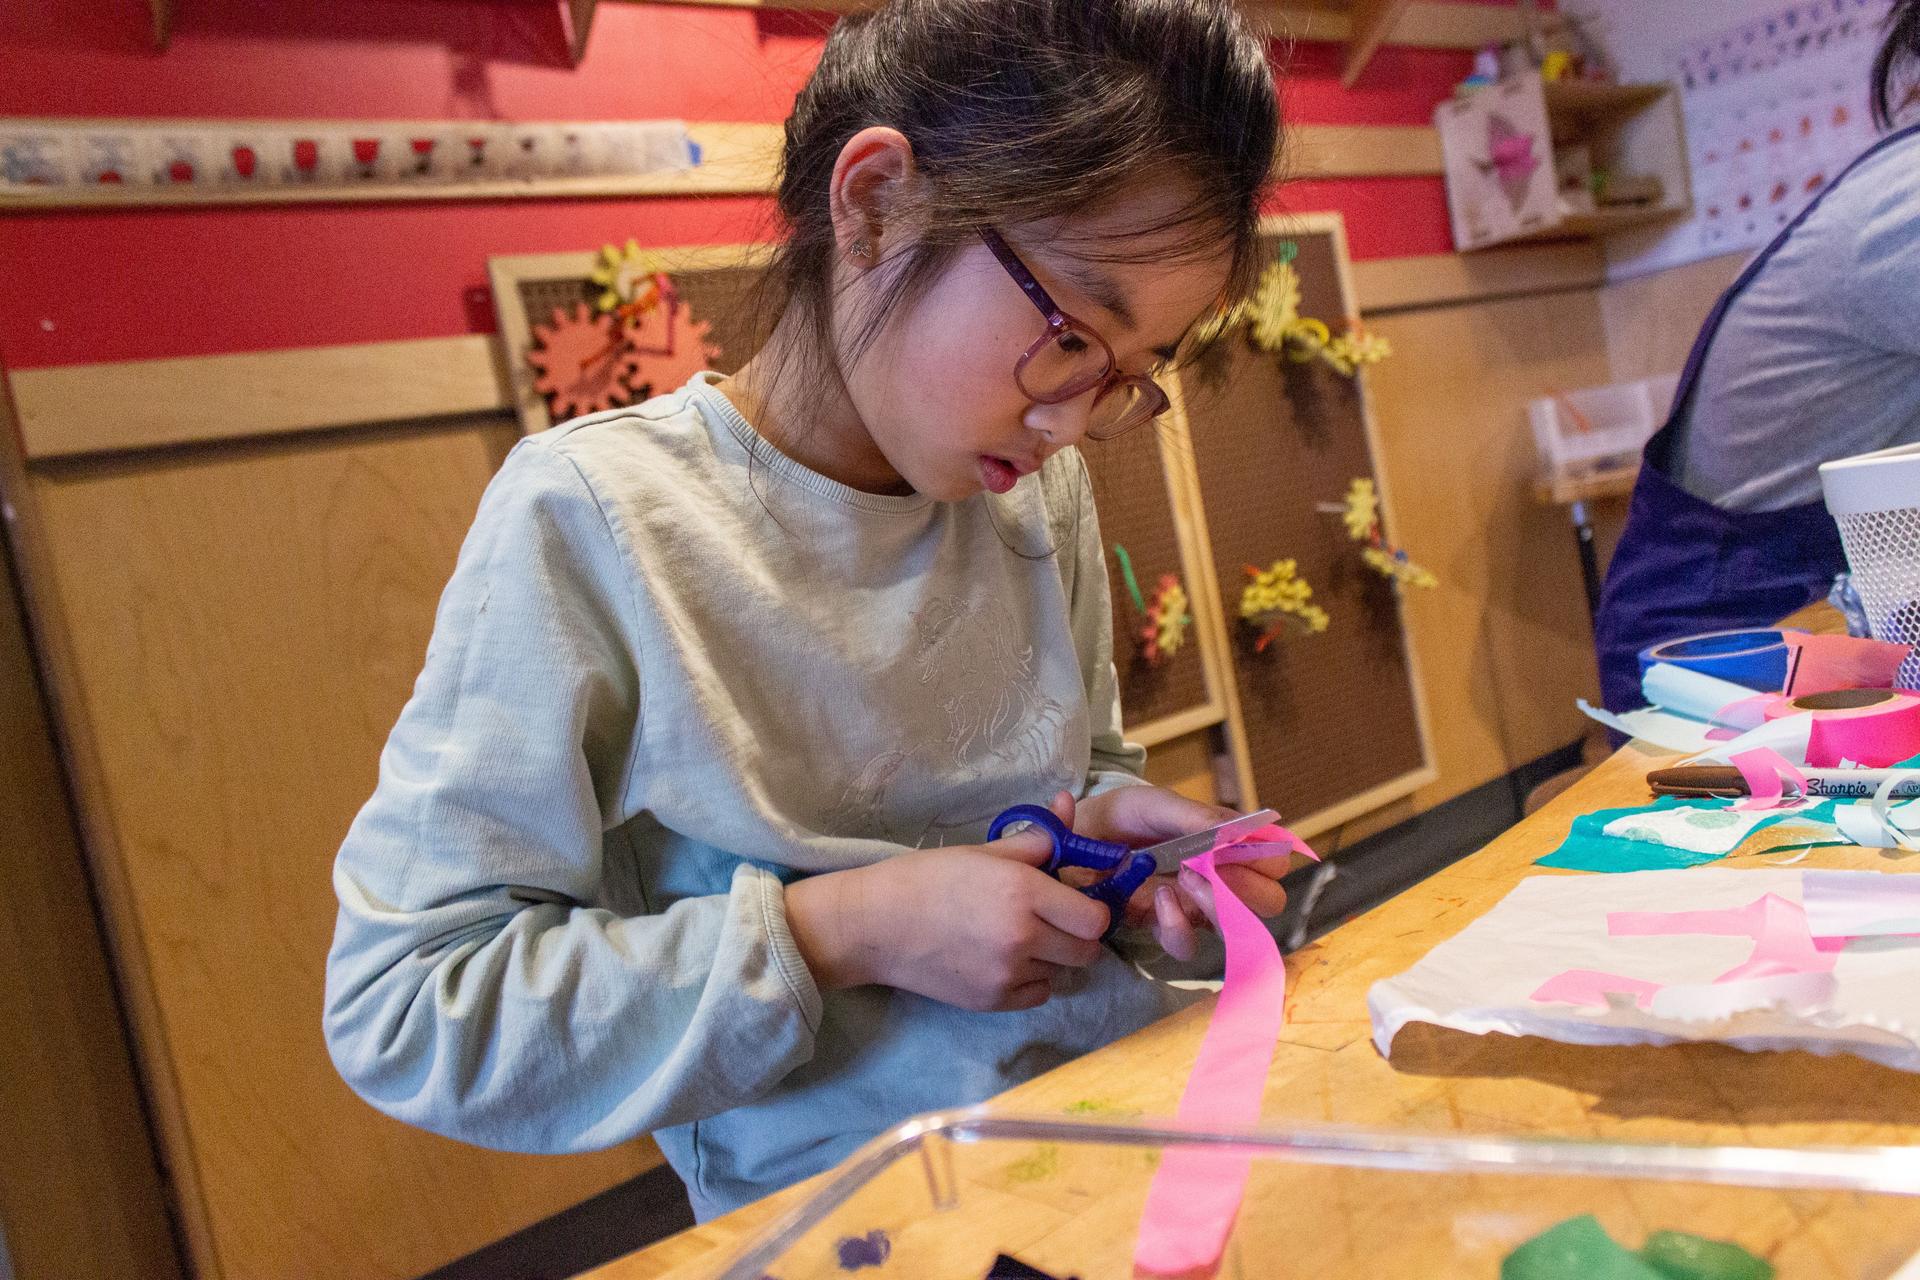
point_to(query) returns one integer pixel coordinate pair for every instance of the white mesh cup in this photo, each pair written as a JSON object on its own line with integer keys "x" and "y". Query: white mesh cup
{"x": 1875, "y": 499}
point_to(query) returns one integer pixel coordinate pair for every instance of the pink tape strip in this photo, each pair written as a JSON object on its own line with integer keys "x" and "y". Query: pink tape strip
{"x": 1765, "y": 770}
{"x": 1196, "y": 1192}
{"x": 1782, "y": 946}
{"x": 1591, "y": 987}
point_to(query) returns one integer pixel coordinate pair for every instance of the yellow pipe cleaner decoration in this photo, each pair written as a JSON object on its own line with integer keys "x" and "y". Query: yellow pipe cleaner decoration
{"x": 1275, "y": 325}
{"x": 622, "y": 276}
{"x": 1279, "y": 597}
{"x": 1167, "y": 621}
{"x": 1361, "y": 515}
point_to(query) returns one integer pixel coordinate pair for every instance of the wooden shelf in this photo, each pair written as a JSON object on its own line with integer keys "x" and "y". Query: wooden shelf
{"x": 1605, "y": 221}
{"x": 736, "y": 159}
{"x": 1421, "y": 24}
{"x": 1585, "y": 98}
{"x": 1565, "y": 491}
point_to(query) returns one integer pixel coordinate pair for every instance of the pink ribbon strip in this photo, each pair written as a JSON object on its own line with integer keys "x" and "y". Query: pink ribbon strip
{"x": 1765, "y": 770}
{"x": 1196, "y": 1192}
{"x": 1783, "y": 945}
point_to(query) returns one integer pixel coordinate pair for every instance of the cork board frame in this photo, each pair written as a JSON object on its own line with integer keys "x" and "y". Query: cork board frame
{"x": 1136, "y": 479}
{"x": 526, "y": 287}
{"x": 1329, "y": 727}
{"x": 1144, "y": 505}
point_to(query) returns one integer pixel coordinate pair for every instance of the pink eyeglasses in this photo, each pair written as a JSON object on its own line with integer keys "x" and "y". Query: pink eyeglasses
{"x": 1070, "y": 359}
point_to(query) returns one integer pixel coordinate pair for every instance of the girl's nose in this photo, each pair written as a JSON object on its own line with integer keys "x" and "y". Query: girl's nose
{"x": 1064, "y": 423}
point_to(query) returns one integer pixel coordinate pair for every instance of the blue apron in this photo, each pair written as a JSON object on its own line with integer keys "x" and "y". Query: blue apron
{"x": 1684, "y": 565}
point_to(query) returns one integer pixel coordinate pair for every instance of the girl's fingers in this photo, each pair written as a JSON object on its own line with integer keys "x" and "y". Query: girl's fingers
{"x": 1145, "y": 815}
{"x": 1262, "y": 894}
{"x": 1062, "y": 807}
{"x": 1195, "y": 889}
{"x": 1171, "y": 927}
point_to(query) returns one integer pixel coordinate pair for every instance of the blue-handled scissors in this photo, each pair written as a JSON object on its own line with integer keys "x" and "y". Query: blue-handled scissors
{"x": 1130, "y": 868}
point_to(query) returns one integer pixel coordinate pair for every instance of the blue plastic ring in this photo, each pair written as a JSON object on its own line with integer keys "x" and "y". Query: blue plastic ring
{"x": 1754, "y": 658}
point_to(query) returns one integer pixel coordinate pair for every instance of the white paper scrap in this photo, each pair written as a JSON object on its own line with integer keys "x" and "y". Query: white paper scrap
{"x": 1483, "y": 980}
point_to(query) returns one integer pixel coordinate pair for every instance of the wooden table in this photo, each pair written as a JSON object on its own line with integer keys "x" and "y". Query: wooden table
{"x": 1326, "y": 1070}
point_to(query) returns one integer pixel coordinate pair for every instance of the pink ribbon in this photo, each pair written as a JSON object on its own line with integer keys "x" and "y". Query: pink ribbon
{"x": 1783, "y": 946}
{"x": 1765, "y": 770}
{"x": 1196, "y": 1192}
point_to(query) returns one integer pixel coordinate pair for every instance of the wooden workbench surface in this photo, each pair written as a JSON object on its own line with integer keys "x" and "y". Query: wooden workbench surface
{"x": 1326, "y": 1070}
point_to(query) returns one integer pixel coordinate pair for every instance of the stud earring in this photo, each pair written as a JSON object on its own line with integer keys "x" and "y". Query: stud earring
{"x": 861, "y": 249}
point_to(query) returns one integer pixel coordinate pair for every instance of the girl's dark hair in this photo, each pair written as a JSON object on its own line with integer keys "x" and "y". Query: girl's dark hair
{"x": 1901, "y": 47}
{"x": 1021, "y": 111}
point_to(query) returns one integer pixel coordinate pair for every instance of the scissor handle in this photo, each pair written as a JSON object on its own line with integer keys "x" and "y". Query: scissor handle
{"x": 1129, "y": 869}
{"x": 1069, "y": 849}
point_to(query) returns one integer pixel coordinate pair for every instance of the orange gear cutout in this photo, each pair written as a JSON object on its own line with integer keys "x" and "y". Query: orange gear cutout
{"x": 668, "y": 343}
{"x": 586, "y": 362}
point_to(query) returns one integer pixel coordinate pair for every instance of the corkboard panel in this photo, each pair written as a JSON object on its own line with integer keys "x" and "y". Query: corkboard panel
{"x": 1130, "y": 493}
{"x": 717, "y": 283}
{"x": 1331, "y": 721}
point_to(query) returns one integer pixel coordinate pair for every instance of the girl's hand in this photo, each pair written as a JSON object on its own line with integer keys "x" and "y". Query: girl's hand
{"x": 979, "y": 926}
{"x": 1176, "y": 904}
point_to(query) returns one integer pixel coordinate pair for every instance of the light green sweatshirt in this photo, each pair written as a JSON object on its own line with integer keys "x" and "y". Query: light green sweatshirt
{"x": 673, "y": 671}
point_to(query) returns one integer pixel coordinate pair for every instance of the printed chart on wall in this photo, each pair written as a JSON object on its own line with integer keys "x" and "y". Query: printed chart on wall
{"x": 1775, "y": 104}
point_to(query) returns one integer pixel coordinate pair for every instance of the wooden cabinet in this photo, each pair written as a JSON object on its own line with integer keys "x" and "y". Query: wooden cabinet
{"x": 80, "y": 1189}
{"x": 231, "y": 629}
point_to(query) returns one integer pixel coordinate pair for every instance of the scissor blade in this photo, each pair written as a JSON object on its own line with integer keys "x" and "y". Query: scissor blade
{"x": 1169, "y": 854}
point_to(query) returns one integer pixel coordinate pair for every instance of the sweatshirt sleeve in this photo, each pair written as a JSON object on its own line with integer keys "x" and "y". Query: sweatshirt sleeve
{"x": 479, "y": 985}
{"x": 1115, "y": 762}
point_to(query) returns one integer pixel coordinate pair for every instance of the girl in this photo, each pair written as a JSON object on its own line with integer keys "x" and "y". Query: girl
{"x": 681, "y": 830}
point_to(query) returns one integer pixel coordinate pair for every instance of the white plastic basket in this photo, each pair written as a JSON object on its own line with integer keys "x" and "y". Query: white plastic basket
{"x": 1875, "y": 499}
{"x": 1598, "y": 429}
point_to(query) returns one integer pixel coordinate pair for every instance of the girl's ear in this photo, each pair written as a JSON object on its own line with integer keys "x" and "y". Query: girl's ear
{"x": 868, "y": 198}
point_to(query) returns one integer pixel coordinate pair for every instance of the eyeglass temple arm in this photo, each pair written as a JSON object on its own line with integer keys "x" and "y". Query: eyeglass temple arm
{"x": 1035, "y": 292}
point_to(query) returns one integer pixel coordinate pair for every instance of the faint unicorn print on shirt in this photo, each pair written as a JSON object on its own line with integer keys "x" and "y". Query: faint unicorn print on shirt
{"x": 973, "y": 666}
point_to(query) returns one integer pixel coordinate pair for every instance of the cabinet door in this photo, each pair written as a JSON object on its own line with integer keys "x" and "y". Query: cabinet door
{"x": 80, "y": 1191}
{"x": 241, "y": 625}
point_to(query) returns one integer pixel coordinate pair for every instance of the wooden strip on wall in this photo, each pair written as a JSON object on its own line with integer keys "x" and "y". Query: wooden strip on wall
{"x": 1362, "y": 151}
{"x": 1446, "y": 279}
{"x": 144, "y": 404}
{"x": 736, "y": 159}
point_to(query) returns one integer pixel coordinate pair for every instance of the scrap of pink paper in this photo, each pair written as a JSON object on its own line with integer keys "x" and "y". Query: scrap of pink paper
{"x": 1822, "y": 664}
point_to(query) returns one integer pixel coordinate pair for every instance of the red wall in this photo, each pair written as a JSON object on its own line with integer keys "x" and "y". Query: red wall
{"x": 100, "y": 286}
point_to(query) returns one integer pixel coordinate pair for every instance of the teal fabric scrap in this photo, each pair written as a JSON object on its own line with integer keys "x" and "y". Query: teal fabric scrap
{"x": 1588, "y": 847}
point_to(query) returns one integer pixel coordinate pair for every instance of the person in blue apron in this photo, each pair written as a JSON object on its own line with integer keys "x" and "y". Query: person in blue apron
{"x": 1812, "y": 354}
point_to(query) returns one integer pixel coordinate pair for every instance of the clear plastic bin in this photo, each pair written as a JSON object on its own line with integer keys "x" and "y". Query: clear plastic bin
{"x": 1596, "y": 430}
{"x": 948, "y": 1192}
